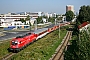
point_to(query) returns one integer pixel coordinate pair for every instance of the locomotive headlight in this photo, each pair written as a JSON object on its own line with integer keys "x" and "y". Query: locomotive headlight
{"x": 16, "y": 41}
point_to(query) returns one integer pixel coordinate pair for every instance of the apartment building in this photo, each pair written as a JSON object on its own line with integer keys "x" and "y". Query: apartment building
{"x": 70, "y": 8}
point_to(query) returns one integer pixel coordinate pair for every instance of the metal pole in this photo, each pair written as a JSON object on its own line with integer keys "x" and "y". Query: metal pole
{"x": 59, "y": 30}
{"x": 35, "y": 24}
{"x": 29, "y": 24}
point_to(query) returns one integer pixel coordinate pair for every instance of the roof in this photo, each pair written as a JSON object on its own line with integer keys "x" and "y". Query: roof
{"x": 82, "y": 25}
{"x": 40, "y": 30}
{"x": 50, "y": 26}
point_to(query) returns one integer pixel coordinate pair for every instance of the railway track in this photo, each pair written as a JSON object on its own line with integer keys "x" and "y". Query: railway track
{"x": 6, "y": 57}
{"x": 59, "y": 51}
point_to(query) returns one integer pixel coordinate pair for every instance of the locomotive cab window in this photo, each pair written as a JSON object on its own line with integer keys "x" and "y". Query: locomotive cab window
{"x": 14, "y": 42}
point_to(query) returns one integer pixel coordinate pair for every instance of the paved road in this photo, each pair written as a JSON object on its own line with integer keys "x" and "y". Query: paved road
{"x": 12, "y": 34}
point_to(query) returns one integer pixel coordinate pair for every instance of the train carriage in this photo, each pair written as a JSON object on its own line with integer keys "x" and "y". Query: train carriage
{"x": 41, "y": 32}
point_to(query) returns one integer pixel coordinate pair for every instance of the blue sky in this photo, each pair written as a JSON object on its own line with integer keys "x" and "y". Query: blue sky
{"x": 58, "y": 6}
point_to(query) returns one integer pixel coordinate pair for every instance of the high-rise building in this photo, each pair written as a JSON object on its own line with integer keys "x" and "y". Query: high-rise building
{"x": 70, "y": 8}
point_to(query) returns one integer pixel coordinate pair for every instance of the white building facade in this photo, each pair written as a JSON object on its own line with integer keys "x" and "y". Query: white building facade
{"x": 15, "y": 16}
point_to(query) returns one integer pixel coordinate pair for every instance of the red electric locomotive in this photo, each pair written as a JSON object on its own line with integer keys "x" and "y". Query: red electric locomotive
{"x": 20, "y": 42}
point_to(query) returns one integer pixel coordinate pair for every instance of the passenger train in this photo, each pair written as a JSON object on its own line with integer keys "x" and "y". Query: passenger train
{"x": 20, "y": 42}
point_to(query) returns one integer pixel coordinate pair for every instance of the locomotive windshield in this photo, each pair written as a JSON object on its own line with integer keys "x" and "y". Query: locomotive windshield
{"x": 14, "y": 42}
{"x": 19, "y": 37}
{"x": 23, "y": 35}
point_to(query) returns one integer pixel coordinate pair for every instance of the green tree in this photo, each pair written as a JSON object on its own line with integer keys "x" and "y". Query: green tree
{"x": 69, "y": 15}
{"x": 84, "y": 14}
{"x": 59, "y": 18}
{"x": 84, "y": 45}
{"x": 27, "y": 18}
{"x": 51, "y": 19}
{"x": 22, "y": 20}
{"x": 44, "y": 16}
{"x": 39, "y": 19}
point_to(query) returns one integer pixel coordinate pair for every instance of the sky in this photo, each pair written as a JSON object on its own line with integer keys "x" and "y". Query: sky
{"x": 51, "y": 6}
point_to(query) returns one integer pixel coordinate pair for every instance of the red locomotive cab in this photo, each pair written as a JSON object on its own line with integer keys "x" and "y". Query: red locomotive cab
{"x": 21, "y": 42}
{"x": 14, "y": 44}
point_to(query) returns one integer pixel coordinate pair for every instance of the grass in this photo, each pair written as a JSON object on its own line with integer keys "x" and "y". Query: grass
{"x": 42, "y": 49}
{"x": 4, "y": 45}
